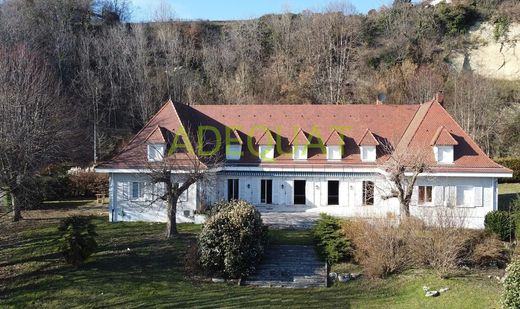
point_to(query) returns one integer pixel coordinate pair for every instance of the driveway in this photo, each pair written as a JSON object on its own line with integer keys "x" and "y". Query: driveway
{"x": 289, "y": 220}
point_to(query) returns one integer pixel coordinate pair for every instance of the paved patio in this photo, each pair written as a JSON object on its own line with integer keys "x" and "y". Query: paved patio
{"x": 289, "y": 220}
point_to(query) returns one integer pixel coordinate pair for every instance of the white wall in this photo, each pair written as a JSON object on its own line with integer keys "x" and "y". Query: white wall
{"x": 123, "y": 208}
{"x": 444, "y": 193}
{"x": 351, "y": 196}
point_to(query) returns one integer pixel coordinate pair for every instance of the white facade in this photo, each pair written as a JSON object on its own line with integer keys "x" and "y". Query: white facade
{"x": 443, "y": 154}
{"x": 144, "y": 204}
{"x": 466, "y": 199}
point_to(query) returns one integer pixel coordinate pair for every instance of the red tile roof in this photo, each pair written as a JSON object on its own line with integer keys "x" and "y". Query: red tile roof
{"x": 266, "y": 138}
{"x": 299, "y": 139}
{"x": 408, "y": 126}
{"x": 443, "y": 138}
{"x": 368, "y": 139}
{"x": 334, "y": 139}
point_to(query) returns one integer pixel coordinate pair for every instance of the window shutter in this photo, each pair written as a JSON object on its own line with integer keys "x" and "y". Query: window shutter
{"x": 478, "y": 196}
{"x": 452, "y": 195}
{"x": 415, "y": 196}
{"x": 124, "y": 189}
{"x": 148, "y": 191}
{"x": 438, "y": 195}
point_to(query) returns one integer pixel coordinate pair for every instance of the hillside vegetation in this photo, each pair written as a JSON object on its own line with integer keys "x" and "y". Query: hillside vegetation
{"x": 114, "y": 75}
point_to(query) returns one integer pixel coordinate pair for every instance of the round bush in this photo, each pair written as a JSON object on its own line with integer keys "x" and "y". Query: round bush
{"x": 78, "y": 239}
{"x": 232, "y": 241}
{"x": 511, "y": 293}
{"x": 501, "y": 223}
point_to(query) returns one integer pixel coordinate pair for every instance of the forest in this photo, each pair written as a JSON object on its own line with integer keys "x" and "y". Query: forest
{"x": 97, "y": 77}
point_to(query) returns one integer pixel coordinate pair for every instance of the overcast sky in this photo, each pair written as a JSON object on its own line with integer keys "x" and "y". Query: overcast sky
{"x": 143, "y": 10}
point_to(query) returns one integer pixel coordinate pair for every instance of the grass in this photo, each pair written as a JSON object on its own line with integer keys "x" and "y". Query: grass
{"x": 290, "y": 237}
{"x": 136, "y": 267}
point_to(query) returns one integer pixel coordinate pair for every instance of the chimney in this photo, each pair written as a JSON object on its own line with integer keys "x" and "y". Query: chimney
{"x": 380, "y": 98}
{"x": 439, "y": 97}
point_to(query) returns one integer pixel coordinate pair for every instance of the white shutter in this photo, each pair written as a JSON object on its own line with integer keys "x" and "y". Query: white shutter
{"x": 478, "y": 196}
{"x": 123, "y": 190}
{"x": 148, "y": 191}
{"x": 415, "y": 196}
{"x": 452, "y": 195}
{"x": 438, "y": 195}
{"x": 358, "y": 193}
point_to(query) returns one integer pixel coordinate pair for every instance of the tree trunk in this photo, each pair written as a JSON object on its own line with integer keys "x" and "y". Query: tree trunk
{"x": 17, "y": 209}
{"x": 171, "y": 226}
{"x": 404, "y": 209}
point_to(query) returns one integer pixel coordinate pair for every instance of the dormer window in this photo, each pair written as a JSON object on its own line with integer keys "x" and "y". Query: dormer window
{"x": 334, "y": 144}
{"x": 266, "y": 144}
{"x": 156, "y": 143}
{"x": 156, "y": 152}
{"x": 443, "y": 154}
{"x": 299, "y": 145}
{"x": 443, "y": 146}
{"x": 368, "y": 153}
{"x": 233, "y": 145}
{"x": 368, "y": 147}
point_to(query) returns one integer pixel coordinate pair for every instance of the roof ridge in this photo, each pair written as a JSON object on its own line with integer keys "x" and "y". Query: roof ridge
{"x": 413, "y": 126}
{"x": 187, "y": 136}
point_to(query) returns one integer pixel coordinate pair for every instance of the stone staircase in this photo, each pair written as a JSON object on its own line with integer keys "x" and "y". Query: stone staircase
{"x": 290, "y": 266}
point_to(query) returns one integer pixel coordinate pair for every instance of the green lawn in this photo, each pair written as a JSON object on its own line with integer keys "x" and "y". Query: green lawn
{"x": 135, "y": 267}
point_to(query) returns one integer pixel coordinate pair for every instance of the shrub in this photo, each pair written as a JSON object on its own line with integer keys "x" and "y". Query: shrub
{"x": 488, "y": 250}
{"x": 332, "y": 245}
{"x": 380, "y": 247}
{"x": 232, "y": 241}
{"x": 511, "y": 293}
{"x": 501, "y": 223}
{"x": 87, "y": 184}
{"x": 512, "y": 163}
{"x": 78, "y": 239}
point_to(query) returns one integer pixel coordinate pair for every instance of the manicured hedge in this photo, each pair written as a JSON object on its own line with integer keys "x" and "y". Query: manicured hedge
{"x": 512, "y": 163}
{"x": 501, "y": 223}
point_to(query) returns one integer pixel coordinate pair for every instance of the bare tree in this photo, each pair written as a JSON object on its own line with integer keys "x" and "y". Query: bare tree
{"x": 184, "y": 164}
{"x": 32, "y": 122}
{"x": 403, "y": 167}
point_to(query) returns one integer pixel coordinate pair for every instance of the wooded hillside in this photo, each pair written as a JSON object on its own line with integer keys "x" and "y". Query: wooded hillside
{"x": 114, "y": 75}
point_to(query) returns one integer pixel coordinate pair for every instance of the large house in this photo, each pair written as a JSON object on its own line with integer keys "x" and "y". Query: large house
{"x": 308, "y": 158}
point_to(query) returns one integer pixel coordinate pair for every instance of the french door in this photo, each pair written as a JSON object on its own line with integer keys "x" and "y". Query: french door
{"x": 232, "y": 189}
{"x": 266, "y": 191}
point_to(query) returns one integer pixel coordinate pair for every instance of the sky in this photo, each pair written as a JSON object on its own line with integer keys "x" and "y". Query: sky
{"x": 145, "y": 10}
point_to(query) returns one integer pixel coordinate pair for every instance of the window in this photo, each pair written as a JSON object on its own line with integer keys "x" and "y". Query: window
{"x": 137, "y": 190}
{"x": 333, "y": 192}
{"x": 425, "y": 195}
{"x": 266, "y": 152}
{"x": 300, "y": 152}
{"x": 266, "y": 191}
{"x": 334, "y": 152}
{"x": 299, "y": 192}
{"x": 233, "y": 152}
{"x": 368, "y": 153}
{"x": 444, "y": 154}
{"x": 156, "y": 152}
{"x": 465, "y": 196}
{"x": 232, "y": 189}
{"x": 368, "y": 193}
